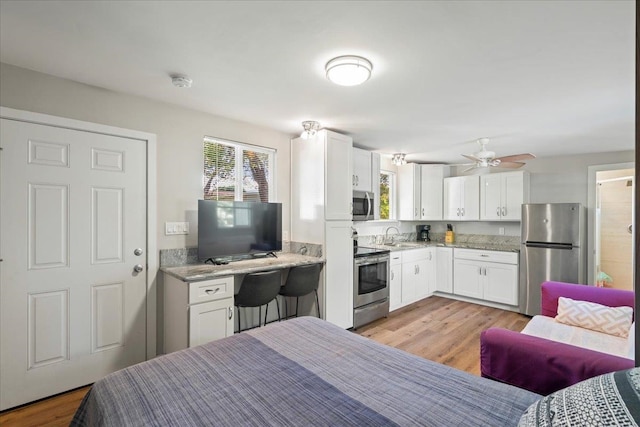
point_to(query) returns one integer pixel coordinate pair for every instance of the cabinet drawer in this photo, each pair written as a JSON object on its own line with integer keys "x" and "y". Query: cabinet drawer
{"x": 210, "y": 290}
{"x": 490, "y": 256}
{"x": 395, "y": 258}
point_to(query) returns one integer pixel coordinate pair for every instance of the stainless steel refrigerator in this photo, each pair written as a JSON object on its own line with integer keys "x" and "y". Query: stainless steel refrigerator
{"x": 552, "y": 249}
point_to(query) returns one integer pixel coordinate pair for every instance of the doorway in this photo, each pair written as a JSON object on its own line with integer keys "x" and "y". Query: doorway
{"x": 610, "y": 229}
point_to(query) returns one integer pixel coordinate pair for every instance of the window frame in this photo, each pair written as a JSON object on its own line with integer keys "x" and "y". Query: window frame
{"x": 392, "y": 195}
{"x": 240, "y": 148}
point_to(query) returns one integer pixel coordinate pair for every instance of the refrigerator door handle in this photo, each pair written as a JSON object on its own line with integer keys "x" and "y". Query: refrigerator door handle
{"x": 568, "y": 246}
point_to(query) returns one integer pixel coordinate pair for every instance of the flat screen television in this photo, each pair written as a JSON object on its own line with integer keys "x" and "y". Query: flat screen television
{"x": 236, "y": 230}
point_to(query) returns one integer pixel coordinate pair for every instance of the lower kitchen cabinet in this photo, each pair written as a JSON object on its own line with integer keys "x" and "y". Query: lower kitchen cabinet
{"x": 444, "y": 270}
{"x": 418, "y": 274}
{"x": 395, "y": 280}
{"x": 197, "y": 312}
{"x": 486, "y": 275}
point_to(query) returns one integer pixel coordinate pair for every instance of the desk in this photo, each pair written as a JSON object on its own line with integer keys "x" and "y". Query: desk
{"x": 198, "y": 298}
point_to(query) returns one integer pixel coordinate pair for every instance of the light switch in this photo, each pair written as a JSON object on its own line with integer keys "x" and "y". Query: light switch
{"x": 173, "y": 228}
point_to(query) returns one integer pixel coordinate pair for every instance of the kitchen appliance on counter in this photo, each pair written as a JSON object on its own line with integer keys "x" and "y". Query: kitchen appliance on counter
{"x": 363, "y": 206}
{"x": 422, "y": 233}
{"x": 370, "y": 285}
{"x": 552, "y": 249}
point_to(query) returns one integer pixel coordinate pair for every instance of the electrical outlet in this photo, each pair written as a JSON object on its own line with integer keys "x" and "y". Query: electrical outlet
{"x": 501, "y": 231}
{"x": 174, "y": 228}
{"x": 285, "y": 236}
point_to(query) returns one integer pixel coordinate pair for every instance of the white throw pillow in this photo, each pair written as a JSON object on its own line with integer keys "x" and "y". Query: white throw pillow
{"x": 597, "y": 317}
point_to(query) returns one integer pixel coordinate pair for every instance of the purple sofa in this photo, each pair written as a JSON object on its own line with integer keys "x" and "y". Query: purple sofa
{"x": 544, "y": 366}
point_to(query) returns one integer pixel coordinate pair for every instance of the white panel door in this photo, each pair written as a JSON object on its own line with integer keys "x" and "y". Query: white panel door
{"x": 501, "y": 283}
{"x": 338, "y": 172}
{"x": 73, "y": 212}
{"x": 338, "y": 274}
{"x": 491, "y": 197}
{"x": 513, "y": 195}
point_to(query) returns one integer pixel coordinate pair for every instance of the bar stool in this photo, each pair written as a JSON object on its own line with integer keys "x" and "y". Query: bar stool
{"x": 256, "y": 290}
{"x": 302, "y": 280}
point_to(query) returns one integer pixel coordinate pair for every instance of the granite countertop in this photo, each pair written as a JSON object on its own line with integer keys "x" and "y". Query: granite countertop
{"x": 408, "y": 245}
{"x": 199, "y": 272}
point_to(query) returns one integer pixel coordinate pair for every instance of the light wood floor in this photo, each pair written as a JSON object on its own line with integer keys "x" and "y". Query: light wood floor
{"x": 439, "y": 329}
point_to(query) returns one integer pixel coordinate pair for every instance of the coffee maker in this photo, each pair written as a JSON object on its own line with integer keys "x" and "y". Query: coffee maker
{"x": 422, "y": 233}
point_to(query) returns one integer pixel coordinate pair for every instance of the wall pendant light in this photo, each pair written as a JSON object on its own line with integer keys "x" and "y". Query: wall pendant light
{"x": 398, "y": 159}
{"x": 310, "y": 129}
{"x": 348, "y": 70}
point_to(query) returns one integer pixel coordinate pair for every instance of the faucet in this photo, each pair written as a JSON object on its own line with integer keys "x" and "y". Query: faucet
{"x": 386, "y": 233}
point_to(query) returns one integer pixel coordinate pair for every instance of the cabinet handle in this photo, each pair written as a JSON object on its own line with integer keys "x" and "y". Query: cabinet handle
{"x": 417, "y": 269}
{"x": 462, "y": 212}
{"x": 458, "y": 212}
{"x": 230, "y": 312}
{"x": 498, "y": 211}
{"x": 422, "y": 211}
{"x": 504, "y": 211}
{"x": 415, "y": 213}
{"x": 392, "y": 276}
{"x": 210, "y": 291}
{"x": 353, "y": 180}
{"x": 357, "y": 180}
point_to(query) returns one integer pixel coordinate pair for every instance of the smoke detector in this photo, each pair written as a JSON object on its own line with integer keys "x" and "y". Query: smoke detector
{"x": 181, "y": 81}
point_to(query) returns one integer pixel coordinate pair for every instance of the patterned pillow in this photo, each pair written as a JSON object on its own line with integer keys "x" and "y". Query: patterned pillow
{"x": 608, "y": 400}
{"x": 597, "y": 317}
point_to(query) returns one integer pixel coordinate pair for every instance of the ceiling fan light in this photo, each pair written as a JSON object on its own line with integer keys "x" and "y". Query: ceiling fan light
{"x": 348, "y": 70}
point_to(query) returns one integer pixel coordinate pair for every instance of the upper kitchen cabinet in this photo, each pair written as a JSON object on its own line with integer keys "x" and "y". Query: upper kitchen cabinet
{"x": 461, "y": 198}
{"x": 502, "y": 195}
{"x": 420, "y": 189}
{"x": 431, "y": 191}
{"x": 361, "y": 179}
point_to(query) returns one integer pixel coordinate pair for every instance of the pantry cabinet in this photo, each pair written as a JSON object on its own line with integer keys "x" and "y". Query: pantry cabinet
{"x": 486, "y": 275}
{"x": 462, "y": 198}
{"x": 502, "y": 195}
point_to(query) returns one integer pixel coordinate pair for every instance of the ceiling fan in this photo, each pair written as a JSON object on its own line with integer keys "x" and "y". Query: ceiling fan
{"x": 485, "y": 158}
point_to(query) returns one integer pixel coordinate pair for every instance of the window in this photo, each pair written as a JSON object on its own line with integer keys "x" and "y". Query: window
{"x": 387, "y": 194}
{"x": 234, "y": 171}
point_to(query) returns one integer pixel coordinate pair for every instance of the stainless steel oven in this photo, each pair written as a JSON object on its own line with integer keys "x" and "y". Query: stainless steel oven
{"x": 370, "y": 285}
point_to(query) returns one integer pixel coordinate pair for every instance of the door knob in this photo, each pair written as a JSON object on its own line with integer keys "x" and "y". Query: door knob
{"x": 138, "y": 268}
{"x": 137, "y": 252}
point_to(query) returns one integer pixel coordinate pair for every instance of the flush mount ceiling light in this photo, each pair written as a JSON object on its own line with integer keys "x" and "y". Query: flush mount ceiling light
{"x": 398, "y": 159}
{"x": 181, "y": 81}
{"x": 348, "y": 70}
{"x": 310, "y": 129}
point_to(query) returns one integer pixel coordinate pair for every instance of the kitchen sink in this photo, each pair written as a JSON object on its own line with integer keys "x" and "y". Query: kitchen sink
{"x": 405, "y": 245}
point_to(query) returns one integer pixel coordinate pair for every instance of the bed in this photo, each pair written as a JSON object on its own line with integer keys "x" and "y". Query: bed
{"x": 301, "y": 372}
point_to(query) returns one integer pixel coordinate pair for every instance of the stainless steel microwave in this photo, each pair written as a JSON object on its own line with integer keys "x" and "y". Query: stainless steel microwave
{"x": 363, "y": 205}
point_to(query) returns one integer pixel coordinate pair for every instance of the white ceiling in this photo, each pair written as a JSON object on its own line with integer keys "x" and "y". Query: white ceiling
{"x": 547, "y": 77}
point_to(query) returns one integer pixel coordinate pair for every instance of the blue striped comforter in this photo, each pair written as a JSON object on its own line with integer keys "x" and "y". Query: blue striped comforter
{"x": 302, "y": 372}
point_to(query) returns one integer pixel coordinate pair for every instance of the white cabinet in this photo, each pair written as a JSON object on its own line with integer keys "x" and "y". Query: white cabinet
{"x": 338, "y": 166}
{"x": 420, "y": 191}
{"x": 418, "y": 274}
{"x": 361, "y": 177}
{"x": 395, "y": 282}
{"x": 502, "y": 195}
{"x": 197, "y": 312}
{"x": 409, "y": 192}
{"x": 461, "y": 198}
{"x": 321, "y": 197}
{"x": 486, "y": 275}
{"x": 338, "y": 271}
{"x": 431, "y": 191}
{"x": 444, "y": 270}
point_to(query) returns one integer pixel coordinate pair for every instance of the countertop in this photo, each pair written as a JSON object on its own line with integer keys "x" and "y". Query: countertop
{"x": 199, "y": 272}
{"x": 408, "y": 245}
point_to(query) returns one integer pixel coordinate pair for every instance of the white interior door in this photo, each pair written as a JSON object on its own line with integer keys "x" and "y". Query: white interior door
{"x": 72, "y": 227}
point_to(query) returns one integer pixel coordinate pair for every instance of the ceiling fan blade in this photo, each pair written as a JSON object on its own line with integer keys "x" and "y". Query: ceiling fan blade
{"x": 471, "y": 157}
{"x": 509, "y": 165}
{"x": 516, "y": 157}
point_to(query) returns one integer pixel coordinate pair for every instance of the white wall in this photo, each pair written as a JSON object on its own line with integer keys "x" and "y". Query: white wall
{"x": 179, "y": 132}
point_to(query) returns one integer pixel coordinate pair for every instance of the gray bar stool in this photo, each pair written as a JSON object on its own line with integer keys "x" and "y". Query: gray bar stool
{"x": 302, "y": 280}
{"x": 256, "y": 290}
